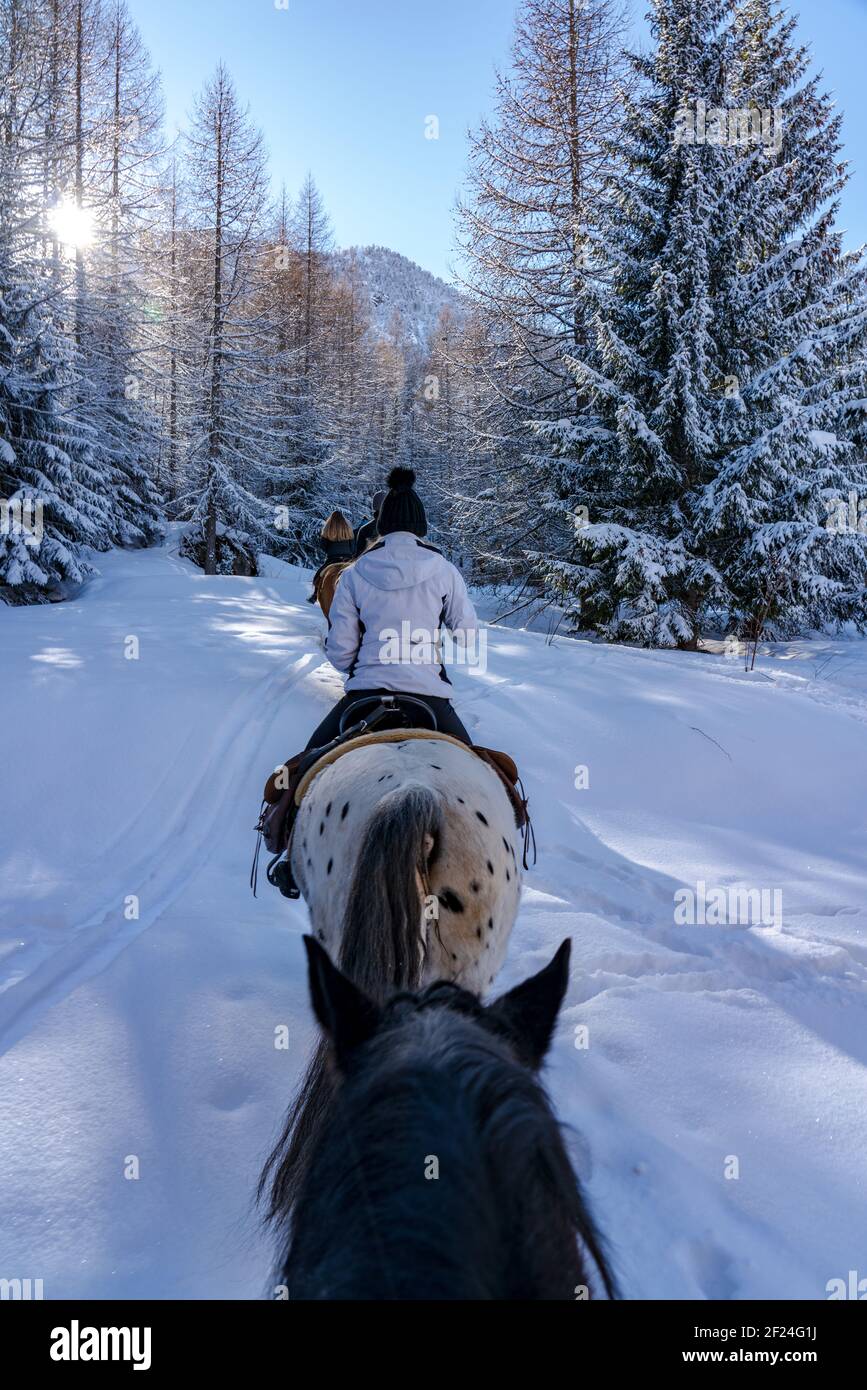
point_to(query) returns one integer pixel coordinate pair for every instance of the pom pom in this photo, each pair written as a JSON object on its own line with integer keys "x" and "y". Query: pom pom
{"x": 401, "y": 479}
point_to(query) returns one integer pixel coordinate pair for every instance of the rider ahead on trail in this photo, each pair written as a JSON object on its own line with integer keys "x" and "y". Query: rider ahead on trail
{"x": 336, "y": 540}
{"x": 337, "y": 543}
{"x": 367, "y": 532}
{"x": 385, "y": 625}
{"x": 389, "y": 611}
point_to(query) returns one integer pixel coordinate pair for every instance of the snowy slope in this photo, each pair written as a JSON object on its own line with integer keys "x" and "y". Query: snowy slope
{"x": 154, "y": 1037}
{"x": 396, "y": 284}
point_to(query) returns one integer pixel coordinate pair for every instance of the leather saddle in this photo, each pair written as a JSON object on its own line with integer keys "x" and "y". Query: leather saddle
{"x": 391, "y": 716}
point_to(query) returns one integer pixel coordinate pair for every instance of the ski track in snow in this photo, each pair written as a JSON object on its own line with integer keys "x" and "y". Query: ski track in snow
{"x": 155, "y": 1037}
{"x": 182, "y": 849}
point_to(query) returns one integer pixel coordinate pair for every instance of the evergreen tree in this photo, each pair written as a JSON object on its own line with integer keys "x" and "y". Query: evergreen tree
{"x": 644, "y": 437}
{"x": 728, "y": 333}
{"x": 53, "y": 496}
{"x": 536, "y": 173}
{"x": 793, "y": 319}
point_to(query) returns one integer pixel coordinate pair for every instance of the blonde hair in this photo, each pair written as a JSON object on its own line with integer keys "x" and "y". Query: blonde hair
{"x": 336, "y": 528}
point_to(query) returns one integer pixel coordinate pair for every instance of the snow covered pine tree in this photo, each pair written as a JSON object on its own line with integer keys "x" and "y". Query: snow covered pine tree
{"x": 644, "y": 435}
{"x": 536, "y": 175}
{"x": 727, "y": 349}
{"x": 54, "y": 497}
{"x": 791, "y": 331}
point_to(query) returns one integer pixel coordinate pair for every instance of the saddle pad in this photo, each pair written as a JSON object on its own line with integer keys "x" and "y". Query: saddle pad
{"x": 383, "y": 736}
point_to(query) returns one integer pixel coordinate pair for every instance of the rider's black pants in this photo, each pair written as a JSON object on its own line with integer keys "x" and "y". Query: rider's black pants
{"x": 447, "y": 720}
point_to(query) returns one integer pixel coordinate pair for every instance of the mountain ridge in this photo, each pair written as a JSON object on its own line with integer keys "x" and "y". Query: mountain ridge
{"x": 395, "y": 284}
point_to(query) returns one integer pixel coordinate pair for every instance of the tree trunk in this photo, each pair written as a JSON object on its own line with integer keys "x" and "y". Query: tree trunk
{"x": 173, "y": 330}
{"x": 79, "y": 161}
{"x": 216, "y": 357}
{"x": 575, "y": 172}
{"x": 211, "y": 537}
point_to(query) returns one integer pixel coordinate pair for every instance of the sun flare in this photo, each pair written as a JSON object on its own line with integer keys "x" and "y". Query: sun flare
{"x": 71, "y": 224}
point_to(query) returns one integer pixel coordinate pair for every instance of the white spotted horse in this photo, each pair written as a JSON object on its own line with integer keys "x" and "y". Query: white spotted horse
{"x": 407, "y": 850}
{"x": 408, "y": 857}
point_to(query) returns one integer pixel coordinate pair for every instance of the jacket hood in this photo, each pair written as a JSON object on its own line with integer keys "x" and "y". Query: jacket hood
{"x": 400, "y": 561}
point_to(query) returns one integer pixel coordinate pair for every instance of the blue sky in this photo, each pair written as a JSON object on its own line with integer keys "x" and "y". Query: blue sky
{"x": 343, "y": 88}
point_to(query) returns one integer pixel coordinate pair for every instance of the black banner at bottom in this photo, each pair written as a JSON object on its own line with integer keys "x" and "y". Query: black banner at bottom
{"x": 161, "y": 1338}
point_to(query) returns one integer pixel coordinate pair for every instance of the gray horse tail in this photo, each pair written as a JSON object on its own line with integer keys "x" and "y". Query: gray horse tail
{"x": 382, "y": 946}
{"x": 382, "y": 949}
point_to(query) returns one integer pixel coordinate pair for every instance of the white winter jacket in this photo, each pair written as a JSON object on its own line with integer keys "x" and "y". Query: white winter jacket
{"x": 392, "y": 614}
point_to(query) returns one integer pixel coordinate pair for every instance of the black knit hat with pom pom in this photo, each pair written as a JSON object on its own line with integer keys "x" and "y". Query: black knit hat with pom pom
{"x": 402, "y": 509}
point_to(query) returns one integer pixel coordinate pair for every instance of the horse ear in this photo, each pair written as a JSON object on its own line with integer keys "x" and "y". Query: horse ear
{"x": 344, "y": 1012}
{"x": 529, "y": 1011}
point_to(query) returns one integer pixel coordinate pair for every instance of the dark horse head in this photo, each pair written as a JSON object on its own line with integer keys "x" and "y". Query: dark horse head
{"x": 439, "y": 1171}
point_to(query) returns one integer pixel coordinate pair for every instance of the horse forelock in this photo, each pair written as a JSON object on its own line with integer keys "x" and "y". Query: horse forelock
{"x": 435, "y": 1080}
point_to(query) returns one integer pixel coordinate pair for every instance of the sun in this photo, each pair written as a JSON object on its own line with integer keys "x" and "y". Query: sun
{"x": 71, "y": 224}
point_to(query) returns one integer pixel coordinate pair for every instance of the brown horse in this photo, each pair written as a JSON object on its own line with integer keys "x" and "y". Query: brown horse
{"x": 325, "y": 583}
{"x": 337, "y": 539}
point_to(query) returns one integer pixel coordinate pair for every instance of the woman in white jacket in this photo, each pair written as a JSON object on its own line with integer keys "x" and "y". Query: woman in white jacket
{"x": 389, "y": 612}
{"x": 385, "y": 625}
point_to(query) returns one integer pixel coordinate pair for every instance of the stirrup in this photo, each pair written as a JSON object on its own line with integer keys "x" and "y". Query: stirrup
{"x": 279, "y": 875}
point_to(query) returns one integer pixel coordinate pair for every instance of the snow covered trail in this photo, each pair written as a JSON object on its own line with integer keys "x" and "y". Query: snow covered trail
{"x": 147, "y": 1032}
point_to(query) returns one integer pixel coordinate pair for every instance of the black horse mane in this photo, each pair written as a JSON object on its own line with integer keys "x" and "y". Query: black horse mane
{"x": 438, "y": 1081}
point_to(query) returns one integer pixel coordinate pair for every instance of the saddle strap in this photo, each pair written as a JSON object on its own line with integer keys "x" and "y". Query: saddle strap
{"x": 527, "y": 830}
{"x": 507, "y": 771}
{"x": 254, "y": 871}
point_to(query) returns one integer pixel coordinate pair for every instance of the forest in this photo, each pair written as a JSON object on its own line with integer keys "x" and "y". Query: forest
{"x": 642, "y": 403}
